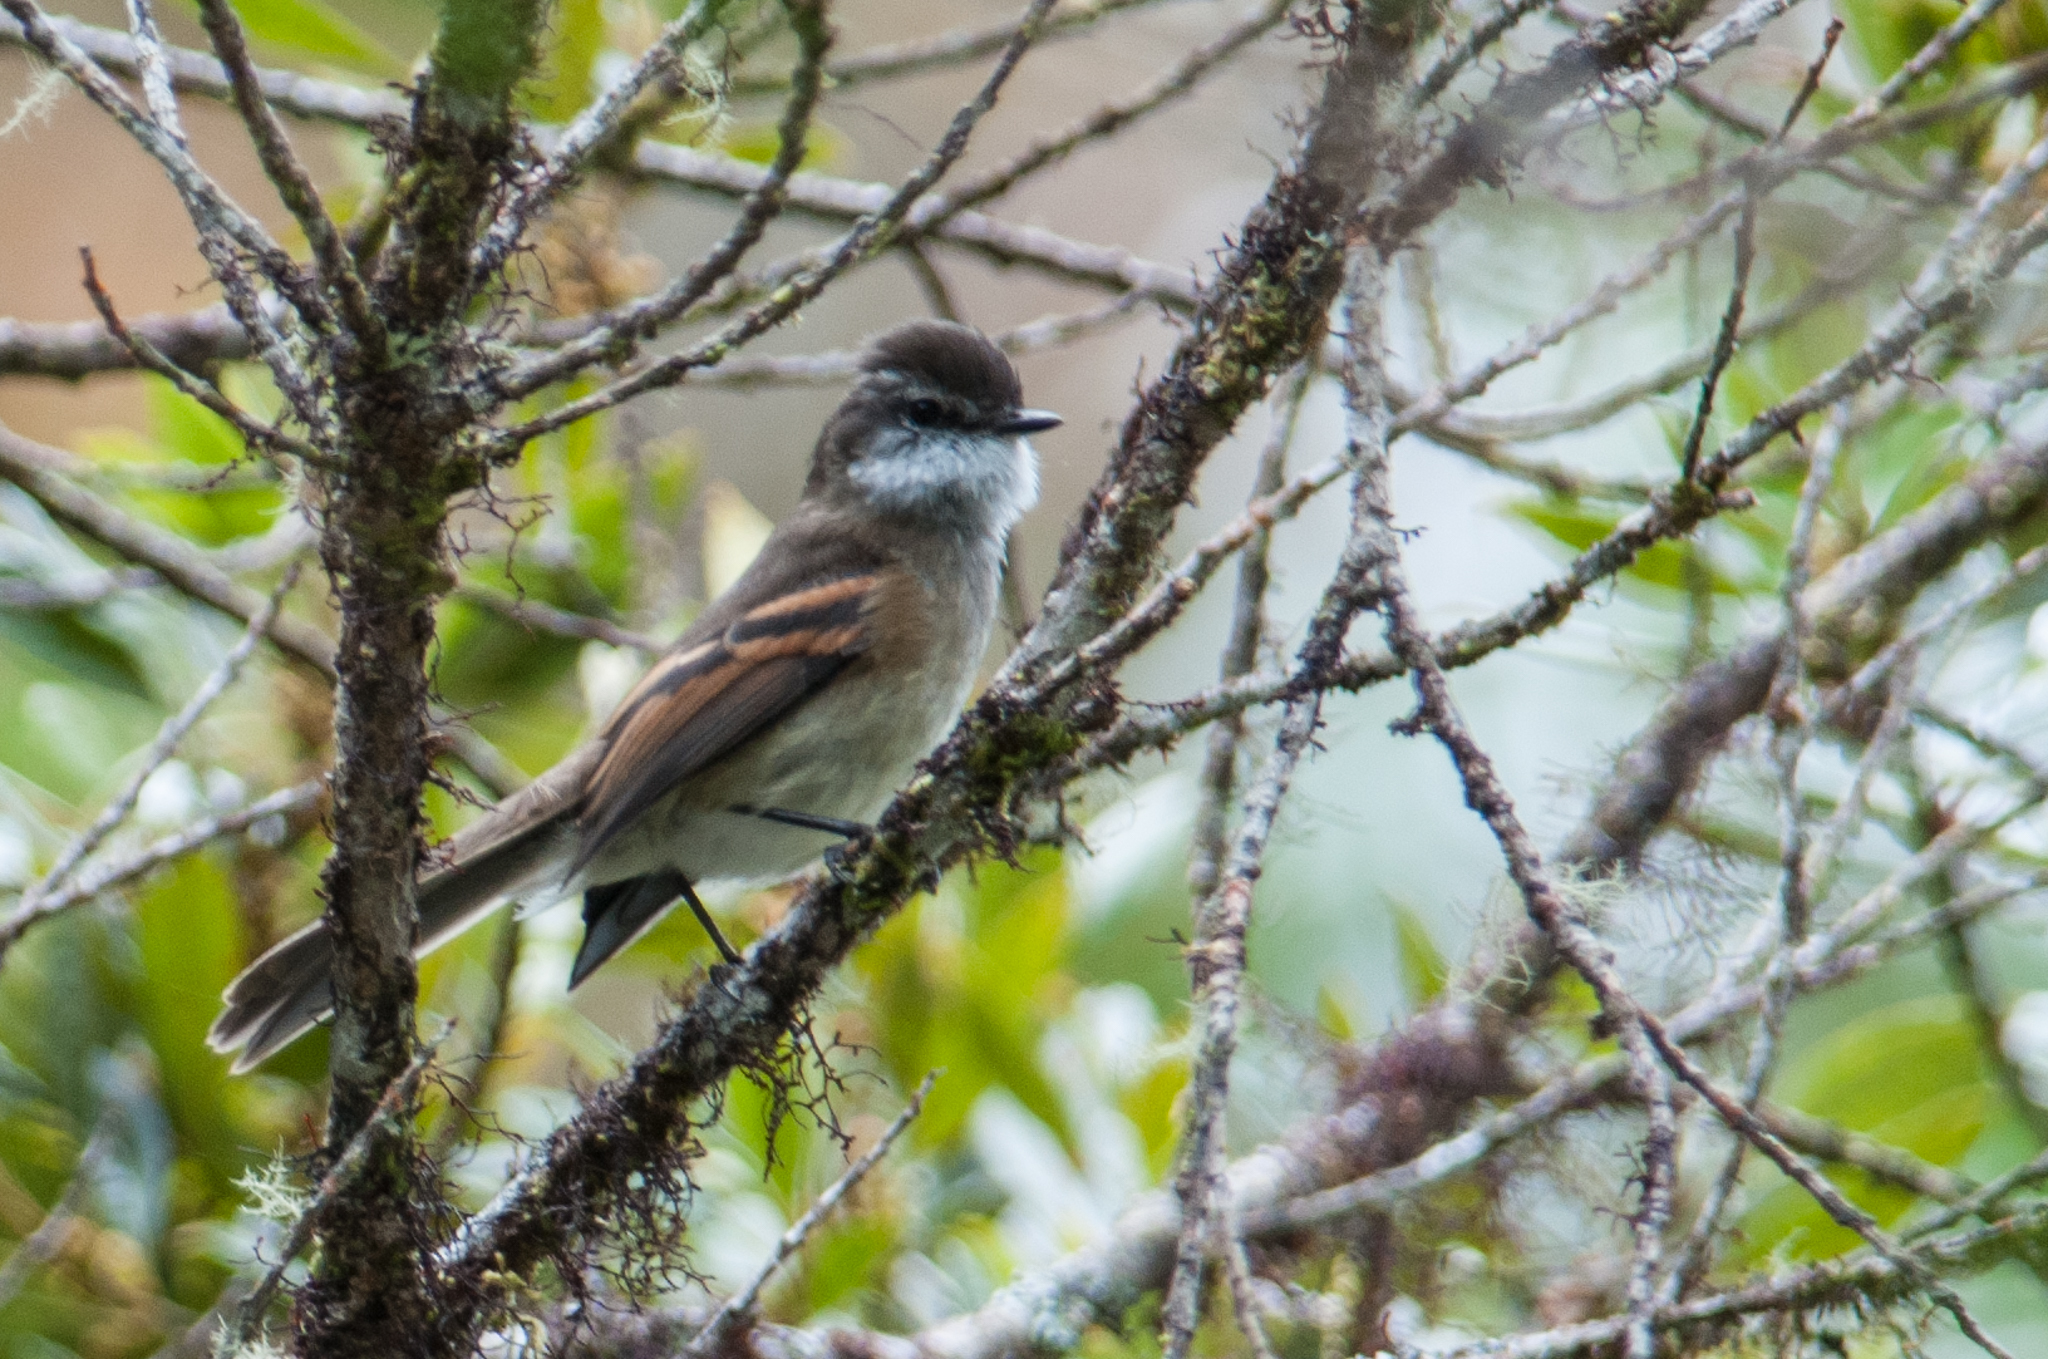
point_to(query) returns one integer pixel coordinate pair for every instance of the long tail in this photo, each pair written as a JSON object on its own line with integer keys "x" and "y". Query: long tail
{"x": 289, "y": 989}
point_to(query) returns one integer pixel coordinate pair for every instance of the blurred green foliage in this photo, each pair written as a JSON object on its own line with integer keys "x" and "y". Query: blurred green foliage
{"x": 313, "y": 31}
{"x": 1055, "y": 1016}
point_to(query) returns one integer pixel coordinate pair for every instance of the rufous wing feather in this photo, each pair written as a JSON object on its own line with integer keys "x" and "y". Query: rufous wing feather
{"x": 702, "y": 703}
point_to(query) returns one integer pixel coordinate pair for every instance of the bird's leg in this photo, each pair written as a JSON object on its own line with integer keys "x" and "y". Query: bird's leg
{"x": 725, "y": 949}
{"x": 831, "y": 825}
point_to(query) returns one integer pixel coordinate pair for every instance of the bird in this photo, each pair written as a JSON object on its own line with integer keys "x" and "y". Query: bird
{"x": 783, "y": 718}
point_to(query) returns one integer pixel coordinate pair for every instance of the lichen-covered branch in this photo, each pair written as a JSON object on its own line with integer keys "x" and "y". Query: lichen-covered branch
{"x": 412, "y": 379}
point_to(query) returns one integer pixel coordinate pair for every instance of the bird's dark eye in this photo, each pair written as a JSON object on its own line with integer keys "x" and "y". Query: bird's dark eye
{"x": 926, "y": 411}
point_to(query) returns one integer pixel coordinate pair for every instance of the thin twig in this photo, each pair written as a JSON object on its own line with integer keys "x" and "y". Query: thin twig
{"x": 35, "y": 469}
{"x": 1490, "y": 29}
{"x": 1640, "y": 1034}
{"x": 223, "y": 228}
{"x": 738, "y": 1309}
{"x": 1567, "y": 417}
{"x": 1483, "y": 792}
{"x": 1875, "y": 674}
{"x": 588, "y": 131}
{"x": 871, "y": 233}
{"x": 89, "y": 883}
{"x": 543, "y": 617}
{"x": 1854, "y": 1283}
{"x": 1817, "y": 1186}
{"x": 841, "y": 365}
{"x": 1207, "y": 844}
{"x": 820, "y": 196}
{"x": 1432, "y": 405}
{"x": 1724, "y": 342}
{"x": 1591, "y": 960}
{"x": 931, "y": 282}
{"x": 41, "y": 471}
{"x": 1642, "y": 88}
{"x": 158, "y": 751}
{"x": 1986, "y": 1013}
{"x": 1791, "y": 731}
{"x": 1983, "y": 1200}
{"x": 1828, "y": 1141}
{"x": 77, "y": 349}
{"x": 613, "y": 336}
{"x": 1658, "y": 1179}
{"x": 1216, "y": 960}
{"x": 80, "y": 593}
{"x": 915, "y": 56}
{"x": 40, "y": 1246}
{"x": 335, "y": 1185}
{"x": 148, "y": 356}
{"x": 294, "y": 185}
{"x": 1932, "y": 53}
{"x": 1823, "y": 963}
{"x": 1182, "y": 79}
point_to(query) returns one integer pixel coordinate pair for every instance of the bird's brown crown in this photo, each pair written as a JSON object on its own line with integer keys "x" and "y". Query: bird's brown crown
{"x": 950, "y": 357}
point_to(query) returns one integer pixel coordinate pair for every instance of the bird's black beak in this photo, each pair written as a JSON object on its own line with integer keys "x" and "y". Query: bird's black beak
{"x": 1027, "y": 422}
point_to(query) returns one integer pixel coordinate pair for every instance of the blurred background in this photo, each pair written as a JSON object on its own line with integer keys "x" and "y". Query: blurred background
{"x": 1052, "y": 993}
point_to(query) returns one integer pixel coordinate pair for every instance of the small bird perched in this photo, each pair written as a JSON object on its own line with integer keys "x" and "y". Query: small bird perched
{"x": 784, "y": 717}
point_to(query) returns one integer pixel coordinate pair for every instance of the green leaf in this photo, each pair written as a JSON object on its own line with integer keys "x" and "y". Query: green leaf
{"x": 1423, "y": 970}
{"x": 183, "y": 431}
{"x": 524, "y": 676}
{"x": 1910, "y": 1075}
{"x": 750, "y": 1117}
{"x": 967, "y": 982}
{"x": 1885, "y": 33}
{"x": 598, "y": 515}
{"x": 1151, "y": 1104}
{"x": 1661, "y": 565}
{"x": 847, "y": 1259}
{"x": 188, "y": 430}
{"x": 1331, "y": 1014}
{"x": 1006, "y": 1045}
{"x": 55, "y": 1010}
{"x": 1788, "y": 1221}
{"x": 1908, "y": 460}
{"x": 758, "y": 142}
{"x": 18, "y": 1085}
{"x": 188, "y": 930}
{"x": 317, "y": 30}
{"x": 63, "y": 644}
{"x": 1884, "y": 1063}
{"x": 75, "y": 735}
{"x": 577, "y": 33}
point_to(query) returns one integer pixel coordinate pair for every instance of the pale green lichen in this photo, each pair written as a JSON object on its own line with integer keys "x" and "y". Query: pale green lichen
{"x": 37, "y": 103}
{"x": 274, "y": 1191}
{"x": 257, "y": 1347}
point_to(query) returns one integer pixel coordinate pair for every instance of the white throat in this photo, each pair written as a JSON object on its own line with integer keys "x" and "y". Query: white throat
{"x": 979, "y": 483}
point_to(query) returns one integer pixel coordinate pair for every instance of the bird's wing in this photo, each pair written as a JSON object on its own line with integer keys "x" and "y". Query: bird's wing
{"x": 699, "y": 703}
{"x": 549, "y": 798}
